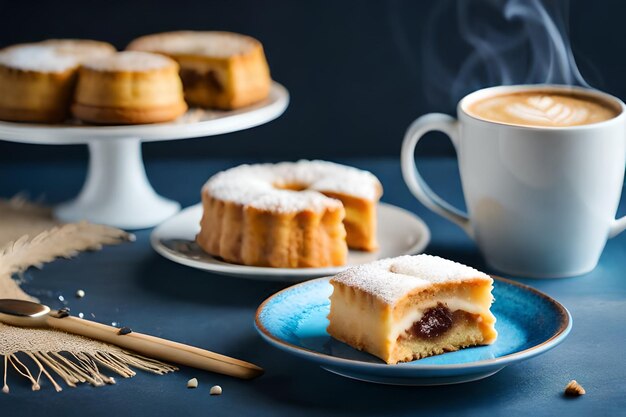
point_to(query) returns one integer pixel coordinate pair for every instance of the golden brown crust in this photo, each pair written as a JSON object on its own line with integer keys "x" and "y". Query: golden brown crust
{"x": 310, "y": 221}
{"x": 31, "y": 96}
{"x": 109, "y": 92}
{"x": 119, "y": 115}
{"x": 129, "y": 89}
{"x": 360, "y": 222}
{"x": 228, "y": 83}
{"x": 44, "y": 96}
{"x": 351, "y": 314}
{"x": 250, "y": 236}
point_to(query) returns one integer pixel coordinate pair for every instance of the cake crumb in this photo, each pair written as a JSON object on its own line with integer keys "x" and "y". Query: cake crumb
{"x": 574, "y": 389}
{"x": 124, "y": 331}
{"x": 62, "y": 313}
{"x": 216, "y": 390}
{"x": 192, "y": 383}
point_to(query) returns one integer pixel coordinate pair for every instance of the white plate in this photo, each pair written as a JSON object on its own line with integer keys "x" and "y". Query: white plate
{"x": 399, "y": 233}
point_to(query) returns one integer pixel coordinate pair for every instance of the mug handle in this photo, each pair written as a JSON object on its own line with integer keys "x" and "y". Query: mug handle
{"x": 442, "y": 123}
{"x": 617, "y": 227}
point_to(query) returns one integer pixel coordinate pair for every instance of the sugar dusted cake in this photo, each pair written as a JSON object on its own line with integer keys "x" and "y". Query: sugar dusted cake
{"x": 128, "y": 88}
{"x": 411, "y": 307}
{"x": 301, "y": 214}
{"x": 222, "y": 70}
{"x": 37, "y": 79}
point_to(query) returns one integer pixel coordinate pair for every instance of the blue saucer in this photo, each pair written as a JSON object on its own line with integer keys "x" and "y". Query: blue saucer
{"x": 529, "y": 324}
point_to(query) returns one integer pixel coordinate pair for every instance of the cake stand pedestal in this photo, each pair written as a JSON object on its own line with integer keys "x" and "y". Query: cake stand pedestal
{"x": 117, "y": 191}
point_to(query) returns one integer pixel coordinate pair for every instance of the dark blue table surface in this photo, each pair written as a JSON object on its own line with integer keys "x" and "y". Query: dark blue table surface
{"x": 130, "y": 284}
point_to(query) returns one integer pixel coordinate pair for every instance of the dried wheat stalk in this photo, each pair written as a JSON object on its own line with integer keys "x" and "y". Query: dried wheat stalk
{"x": 34, "y": 353}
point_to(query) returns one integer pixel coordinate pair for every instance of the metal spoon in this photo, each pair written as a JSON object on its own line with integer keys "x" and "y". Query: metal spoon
{"x": 29, "y": 314}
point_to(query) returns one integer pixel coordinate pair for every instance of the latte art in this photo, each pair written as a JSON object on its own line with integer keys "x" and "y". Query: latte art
{"x": 543, "y": 108}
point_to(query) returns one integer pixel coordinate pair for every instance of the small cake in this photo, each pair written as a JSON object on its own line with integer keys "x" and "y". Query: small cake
{"x": 220, "y": 70}
{"x": 411, "y": 307}
{"x": 289, "y": 215}
{"x": 37, "y": 79}
{"x": 129, "y": 88}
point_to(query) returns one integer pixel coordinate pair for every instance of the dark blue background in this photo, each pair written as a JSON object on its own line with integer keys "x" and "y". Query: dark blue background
{"x": 358, "y": 71}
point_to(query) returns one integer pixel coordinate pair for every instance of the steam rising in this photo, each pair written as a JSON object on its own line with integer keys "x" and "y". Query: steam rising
{"x": 555, "y": 65}
{"x": 508, "y": 42}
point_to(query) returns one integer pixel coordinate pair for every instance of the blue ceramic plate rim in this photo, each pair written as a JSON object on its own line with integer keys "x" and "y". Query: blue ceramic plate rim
{"x": 559, "y": 335}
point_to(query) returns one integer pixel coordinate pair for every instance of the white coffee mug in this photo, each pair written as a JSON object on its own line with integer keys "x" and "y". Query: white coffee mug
{"x": 541, "y": 201}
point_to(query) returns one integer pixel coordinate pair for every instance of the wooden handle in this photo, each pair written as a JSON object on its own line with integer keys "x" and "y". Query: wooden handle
{"x": 157, "y": 348}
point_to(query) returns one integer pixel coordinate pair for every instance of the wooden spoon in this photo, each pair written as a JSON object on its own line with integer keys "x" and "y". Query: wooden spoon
{"x": 29, "y": 314}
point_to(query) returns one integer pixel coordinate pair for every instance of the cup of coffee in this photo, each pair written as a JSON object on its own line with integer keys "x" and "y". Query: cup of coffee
{"x": 542, "y": 168}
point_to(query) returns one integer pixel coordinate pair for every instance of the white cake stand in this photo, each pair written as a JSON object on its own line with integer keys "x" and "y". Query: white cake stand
{"x": 117, "y": 191}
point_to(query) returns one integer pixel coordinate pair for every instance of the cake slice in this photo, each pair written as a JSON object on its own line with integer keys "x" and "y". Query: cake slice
{"x": 411, "y": 307}
{"x": 222, "y": 70}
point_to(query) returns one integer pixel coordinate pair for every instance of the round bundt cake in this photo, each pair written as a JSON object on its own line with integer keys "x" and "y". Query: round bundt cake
{"x": 290, "y": 214}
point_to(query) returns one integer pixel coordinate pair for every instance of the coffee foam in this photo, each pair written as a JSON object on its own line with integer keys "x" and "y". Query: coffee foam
{"x": 549, "y": 108}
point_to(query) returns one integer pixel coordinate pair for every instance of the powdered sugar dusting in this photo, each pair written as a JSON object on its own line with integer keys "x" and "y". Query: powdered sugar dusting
{"x": 35, "y": 57}
{"x": 53, "y": 55}
{"x": 130, "y": 61}
{"x": 260, "y": 185}
{"x": 211, "y": 43}
{"x": 80, "y": 48}
{"x": 390, "y": 279}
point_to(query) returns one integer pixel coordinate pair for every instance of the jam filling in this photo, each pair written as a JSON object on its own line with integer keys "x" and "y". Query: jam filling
{"x": 435, "y": 322}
